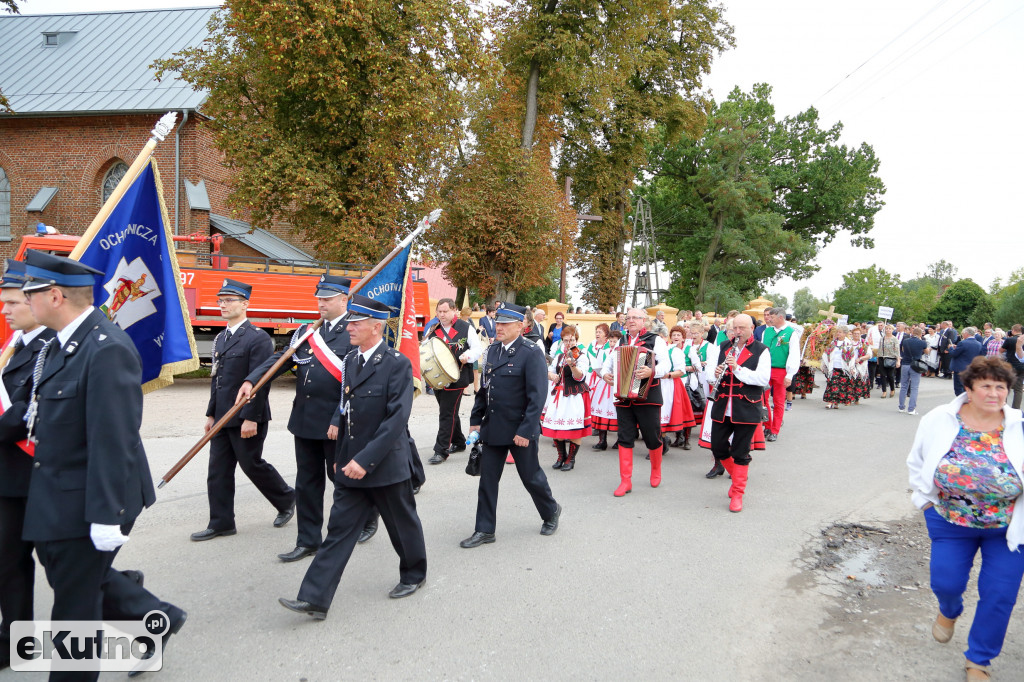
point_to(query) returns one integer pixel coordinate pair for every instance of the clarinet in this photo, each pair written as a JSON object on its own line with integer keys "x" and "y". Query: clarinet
{"x": 718, "y": 382}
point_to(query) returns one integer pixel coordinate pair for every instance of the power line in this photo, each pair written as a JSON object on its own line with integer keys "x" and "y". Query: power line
{"x": 937, "y": 62}
{"x": 844, "y": 78}
{"x": 892, "y": 65}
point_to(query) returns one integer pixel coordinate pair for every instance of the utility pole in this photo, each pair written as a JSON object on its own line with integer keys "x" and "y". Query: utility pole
{"x": 643, "y": 245}
{"x": 579, "y": 216}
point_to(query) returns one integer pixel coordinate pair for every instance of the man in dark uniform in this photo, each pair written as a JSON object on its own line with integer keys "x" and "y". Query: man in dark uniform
{"x": 90, "y": 477}
{"x": 639, "y": 416}
{"x": 17, "y": 567}
{"x": 507, "y": 415}
{"x": 375, "y": 464}
{"x": 736, "y": 411}
{"x": 317, "y": 363}
{"x": 237, "y": 352}
{"x": 462, "y": 341}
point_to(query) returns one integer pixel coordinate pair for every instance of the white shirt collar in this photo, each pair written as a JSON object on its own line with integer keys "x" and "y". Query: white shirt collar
{"x": 367, "y": 354}
{"x": 66, "y": 333}
{"x": 331, "y": 323}
{"x": 234, "y": 328}
{"x": 28, "y": 337}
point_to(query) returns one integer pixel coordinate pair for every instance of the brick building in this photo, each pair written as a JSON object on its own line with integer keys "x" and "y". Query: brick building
{"x": 85, "y": 98}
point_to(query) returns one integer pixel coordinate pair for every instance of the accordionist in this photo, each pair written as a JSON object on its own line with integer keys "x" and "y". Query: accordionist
{"x": 640, "y": 415}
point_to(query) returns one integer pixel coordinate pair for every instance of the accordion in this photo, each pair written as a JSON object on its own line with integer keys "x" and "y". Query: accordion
{"x": 628, "y": 386}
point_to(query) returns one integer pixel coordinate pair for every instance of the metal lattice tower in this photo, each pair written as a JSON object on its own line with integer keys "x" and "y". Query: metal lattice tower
{"x": 642, "y": 253}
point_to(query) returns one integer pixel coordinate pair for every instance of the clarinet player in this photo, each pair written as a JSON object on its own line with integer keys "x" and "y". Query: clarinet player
{"x": 736, "y": 412}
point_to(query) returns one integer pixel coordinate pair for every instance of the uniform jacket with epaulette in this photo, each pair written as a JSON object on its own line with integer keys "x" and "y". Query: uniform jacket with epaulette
{"x": 374, "y": 429}
{"x": 317, "y": 392}
{"x": 515, "y": 394}
{"x": 89, "y": 466}
{"x": 15, "y": 463}
{"x": 235, "y": 359}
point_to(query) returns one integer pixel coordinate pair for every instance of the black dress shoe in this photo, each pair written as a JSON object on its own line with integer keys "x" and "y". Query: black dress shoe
{"x": 211, "y": 533}
{"x": 551, "y": 525}
{"x": 477, "y": 539}
{"x": 457, "y": 448}
{"x": 299, "y": 606}
{"x": 296, "y": 554}
{"x": 368, "y": 532}
{"x": 284, "y": 517}
{"x": 716, "y": 470}
{"x": 416, "y": 490}
{"x": 437, "y": 458}
{"x": 404, "y": 590}
{"x": 177, "y": 620}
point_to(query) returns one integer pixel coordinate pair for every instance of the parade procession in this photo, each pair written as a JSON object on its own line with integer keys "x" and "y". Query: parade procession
{"x": 289, "y": 287}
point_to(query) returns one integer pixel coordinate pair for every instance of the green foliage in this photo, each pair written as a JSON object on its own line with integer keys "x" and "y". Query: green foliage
{"x": 1010, "y": 310}
{"x": 339, "y": 118}
{"x": 983, "y": 312}
{"x": 918, "y": 301}
{"x": 607, "y": 72}
{"x": 542, "y": 293}
{"x": 864, "y": 290}
{"x": 753, "y": 197}
{"x": 806, "y": 305}
{"x": 778, "y": 300}
{"x": 959, "y": 302}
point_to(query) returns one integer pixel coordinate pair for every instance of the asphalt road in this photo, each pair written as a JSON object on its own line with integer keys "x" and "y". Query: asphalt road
{"x": 661, "y": 584}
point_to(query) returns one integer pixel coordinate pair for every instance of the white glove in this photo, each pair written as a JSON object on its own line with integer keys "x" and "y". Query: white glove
{"x": 106, "y": 538}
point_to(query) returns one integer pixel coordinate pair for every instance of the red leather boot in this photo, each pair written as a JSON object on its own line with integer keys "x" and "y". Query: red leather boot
{"x": 738, "y": 487}
{"x": 656, "y": 467}
{"x": 625, "y": 471}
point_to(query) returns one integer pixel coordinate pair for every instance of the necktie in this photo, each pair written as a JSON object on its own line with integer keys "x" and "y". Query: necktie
{"x": 18, "y": 345}
{"x": 360, "y": 361}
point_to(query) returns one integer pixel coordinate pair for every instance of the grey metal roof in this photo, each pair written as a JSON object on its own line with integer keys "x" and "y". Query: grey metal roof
{"x": 42, "y": 199}
{"x": 103, "y": 62}
{"x": 266, "y": 243}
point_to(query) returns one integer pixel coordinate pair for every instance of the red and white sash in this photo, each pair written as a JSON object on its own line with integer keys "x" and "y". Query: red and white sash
{"x": 328, "y": 358}
{"x": 5, "y": 399}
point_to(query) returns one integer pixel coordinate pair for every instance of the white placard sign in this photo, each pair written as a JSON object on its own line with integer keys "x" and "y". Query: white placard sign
{"x": 885, "y": 312}
{"x": 843, "y": 320}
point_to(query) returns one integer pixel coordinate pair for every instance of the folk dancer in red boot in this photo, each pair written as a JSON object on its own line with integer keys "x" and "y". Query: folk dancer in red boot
{"x": 735, "y": 414}
{"x": 639, "y": 416}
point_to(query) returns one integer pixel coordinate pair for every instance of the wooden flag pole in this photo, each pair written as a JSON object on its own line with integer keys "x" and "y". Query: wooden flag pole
{"x": 163, "y": 127}
{"x": 237, "y": 407}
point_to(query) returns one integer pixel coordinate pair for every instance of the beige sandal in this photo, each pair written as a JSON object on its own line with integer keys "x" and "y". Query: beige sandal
{"x": 942, "y": 628}
{"x": 975, "y": 672}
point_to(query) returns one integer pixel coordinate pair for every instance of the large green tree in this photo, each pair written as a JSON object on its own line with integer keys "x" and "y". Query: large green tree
{"x": 959, "y": 302}
{"x": 806, "y": 305}
{"x": 864, "y": 290}
{"x": 754, "y": 197}
{"x": 340, "y": 118}
{"x": 604, "y": 73}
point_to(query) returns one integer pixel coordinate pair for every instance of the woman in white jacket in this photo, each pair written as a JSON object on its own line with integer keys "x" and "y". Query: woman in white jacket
{"x": 965, "y": 471}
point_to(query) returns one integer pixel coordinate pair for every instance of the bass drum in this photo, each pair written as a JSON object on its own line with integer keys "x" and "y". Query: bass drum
{"x": 437, "y": 364}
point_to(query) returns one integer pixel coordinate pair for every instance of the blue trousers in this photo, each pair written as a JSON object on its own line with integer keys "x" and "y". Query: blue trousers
{"x": 909, "y": 383}
{"x": 953, "y": 551}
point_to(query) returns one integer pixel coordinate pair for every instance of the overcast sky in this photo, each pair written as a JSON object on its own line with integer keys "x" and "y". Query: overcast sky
{"x": 932, "y": 85}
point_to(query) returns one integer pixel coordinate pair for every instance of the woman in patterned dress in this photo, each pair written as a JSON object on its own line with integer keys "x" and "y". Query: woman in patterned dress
{"x": 567, "y": 410}
{"x": 838, "y": 365}
{"x": 676, "y": 410}
{"x": 603, "y": 417}
{"x": 966, "y": 466}
{"x": 861, "y": 378}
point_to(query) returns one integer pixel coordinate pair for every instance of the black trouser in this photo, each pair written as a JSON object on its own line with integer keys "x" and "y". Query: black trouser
{"x": 227, "y": 449}
{"x": 314, "y": 461}
{"x": 646, "y": 417}
{"x": 1018, "y": 388}
{"x": 352, "y": 508}
{"x": 492, "y": 464}
{"x": 887, "y": 376}
{"x": 872, "y": 373}
{"x": 739, "y": 449}
{"x": 17, "y": 569}
{"x": 449, "y": 425}
{"x": 86, "y": 587}
{"x": 944, "y": 364}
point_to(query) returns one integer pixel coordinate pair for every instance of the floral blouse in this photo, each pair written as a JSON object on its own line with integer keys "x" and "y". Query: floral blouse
{"x": 977, "y": 485}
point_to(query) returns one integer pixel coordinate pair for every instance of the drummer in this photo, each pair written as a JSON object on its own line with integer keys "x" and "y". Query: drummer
{"x": 464, "y": 345}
